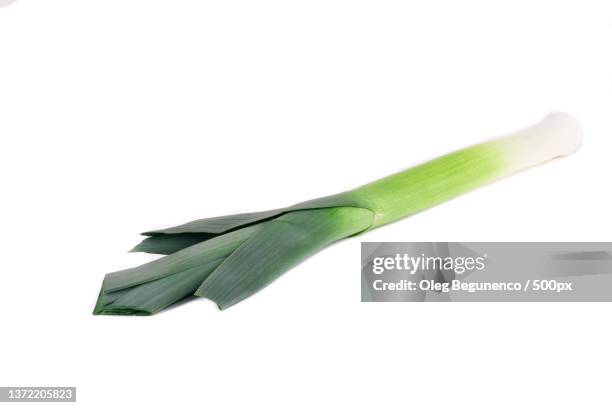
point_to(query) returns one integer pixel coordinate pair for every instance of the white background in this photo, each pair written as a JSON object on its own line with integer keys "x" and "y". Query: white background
{"x": 121, "y": 116}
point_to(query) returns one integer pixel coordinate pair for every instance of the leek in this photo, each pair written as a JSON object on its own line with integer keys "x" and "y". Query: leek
{"x": 227, "y": 259}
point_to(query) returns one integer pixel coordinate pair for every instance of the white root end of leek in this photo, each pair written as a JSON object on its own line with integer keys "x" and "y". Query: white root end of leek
{"x": 557, "y": 135}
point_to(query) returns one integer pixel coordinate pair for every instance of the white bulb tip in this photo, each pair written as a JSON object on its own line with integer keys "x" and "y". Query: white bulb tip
{"x": 562, "y": 132}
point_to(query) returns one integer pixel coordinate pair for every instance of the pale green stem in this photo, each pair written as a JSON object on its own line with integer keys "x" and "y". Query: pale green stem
{"x": 441, "y": 179}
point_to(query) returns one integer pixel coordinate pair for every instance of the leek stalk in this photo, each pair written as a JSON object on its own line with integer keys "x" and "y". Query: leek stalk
{"x": 227, "y": 259}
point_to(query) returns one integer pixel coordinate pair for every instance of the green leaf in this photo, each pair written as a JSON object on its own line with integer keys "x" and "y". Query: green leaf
{"x": 151, "y": 287}
{"x": 152, "y": 297}
{"x": 219, "y": 225}
{"x": 190, "y": 257}
{"x": 279, "y": 245}
{"x": 169, "y": 243}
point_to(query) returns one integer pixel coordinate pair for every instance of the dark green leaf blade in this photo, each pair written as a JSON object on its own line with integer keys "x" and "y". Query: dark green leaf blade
{"x": 219, "y": 225}
{"x": 152, "y": 297}
{"x": 166, "y": 244}
{"x": 281, "y": 244}
{"x": 190, "y": 257}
